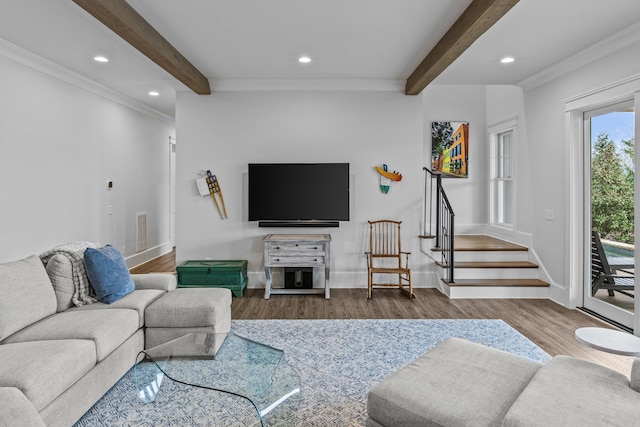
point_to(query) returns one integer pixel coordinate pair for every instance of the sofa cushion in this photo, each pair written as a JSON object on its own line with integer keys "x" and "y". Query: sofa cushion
{"x": 16, "y": 410}
{"x": 162, "y": 281}
{"x": 107, "y": 328}
{"x": 457, "y": 383}
{"x": 27, "y": 295}
{"x": 188, "y": 307}
{"x": 574, "y": 392}
{"x": 108, "y": 273}
{"x": 137, "y": 300}
{"x": 634, "y": 377}
{"x": 44, "y": 369}
{"x": 61, "y": 275}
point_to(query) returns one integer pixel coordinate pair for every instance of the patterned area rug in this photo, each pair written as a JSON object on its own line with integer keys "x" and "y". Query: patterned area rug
{"x": 338, "y": 361}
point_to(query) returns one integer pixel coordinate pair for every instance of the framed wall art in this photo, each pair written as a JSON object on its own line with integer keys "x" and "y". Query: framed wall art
{"x": 450, "y": 149}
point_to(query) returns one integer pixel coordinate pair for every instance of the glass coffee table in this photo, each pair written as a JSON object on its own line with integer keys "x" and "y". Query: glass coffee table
{"x": 241, "y": 367}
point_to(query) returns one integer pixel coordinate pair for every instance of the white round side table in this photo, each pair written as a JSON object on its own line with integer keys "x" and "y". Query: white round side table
{"x": 609, "y": 340}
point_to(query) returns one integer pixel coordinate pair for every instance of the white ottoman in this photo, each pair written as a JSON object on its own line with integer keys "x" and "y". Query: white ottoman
{"x": 457, "y": 383}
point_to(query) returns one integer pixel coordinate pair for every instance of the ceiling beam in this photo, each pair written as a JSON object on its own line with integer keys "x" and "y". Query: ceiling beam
{"x": 477, "y": 18}
{"x": 123, "y": 20}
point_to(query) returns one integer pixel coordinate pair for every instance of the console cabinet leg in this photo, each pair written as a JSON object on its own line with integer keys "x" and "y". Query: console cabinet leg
{"x": 267, "y": 287}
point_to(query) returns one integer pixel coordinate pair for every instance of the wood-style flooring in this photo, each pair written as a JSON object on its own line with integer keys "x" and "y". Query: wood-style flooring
{"x": 549, "y": 325}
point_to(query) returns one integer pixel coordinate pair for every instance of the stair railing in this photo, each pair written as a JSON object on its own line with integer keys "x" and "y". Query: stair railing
{"x": 436, "y": 202}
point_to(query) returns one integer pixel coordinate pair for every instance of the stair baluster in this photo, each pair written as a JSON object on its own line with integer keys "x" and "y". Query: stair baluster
{"x": 444, "y": 224}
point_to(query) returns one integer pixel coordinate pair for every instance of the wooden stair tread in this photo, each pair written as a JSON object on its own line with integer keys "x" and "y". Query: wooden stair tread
{"x": 477, "y": 242}
{"x": 499, "y": 282}
{"x": 491, "y": 264}
{"x": 427, "y": 236}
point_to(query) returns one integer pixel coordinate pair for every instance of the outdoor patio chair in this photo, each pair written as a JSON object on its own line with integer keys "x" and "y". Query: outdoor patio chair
{"x": 602, "y": 277}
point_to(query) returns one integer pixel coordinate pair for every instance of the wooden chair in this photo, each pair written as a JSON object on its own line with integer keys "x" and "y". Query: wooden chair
{"x": 602, "y": 277}
{"x": 385, "y": 256}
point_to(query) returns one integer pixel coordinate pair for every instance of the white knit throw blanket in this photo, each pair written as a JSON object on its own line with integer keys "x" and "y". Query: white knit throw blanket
{"x": 74, "y": 251}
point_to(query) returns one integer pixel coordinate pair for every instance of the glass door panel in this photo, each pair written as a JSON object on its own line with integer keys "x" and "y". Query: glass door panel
{"x": 610, "y": 135}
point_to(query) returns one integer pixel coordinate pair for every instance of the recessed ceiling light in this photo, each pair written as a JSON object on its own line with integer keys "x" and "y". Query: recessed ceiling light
{"x": 507, "y": 60}
{"x": 154, "y": 93}
{"x": 304, "y": 59}
{"x": 101, "y": 59}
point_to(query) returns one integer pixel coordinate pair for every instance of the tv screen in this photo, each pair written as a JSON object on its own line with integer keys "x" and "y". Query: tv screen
{"x": 298, "y": 192}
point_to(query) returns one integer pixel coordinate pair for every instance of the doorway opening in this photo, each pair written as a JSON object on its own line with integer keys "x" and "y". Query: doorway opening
{"x": 609, "y": 141}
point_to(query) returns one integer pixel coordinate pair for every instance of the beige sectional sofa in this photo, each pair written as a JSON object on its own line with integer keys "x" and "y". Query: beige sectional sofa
{"x": 459, "y": 383}
{"x": 56, "y": 361}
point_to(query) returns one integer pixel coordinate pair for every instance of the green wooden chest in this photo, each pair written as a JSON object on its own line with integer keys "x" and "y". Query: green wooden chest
{"x": 230, "y": 274}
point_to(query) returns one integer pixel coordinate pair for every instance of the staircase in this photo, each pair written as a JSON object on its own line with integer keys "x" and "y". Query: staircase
{"x": 483, "y": 266}
{"x": 486, "y": 267}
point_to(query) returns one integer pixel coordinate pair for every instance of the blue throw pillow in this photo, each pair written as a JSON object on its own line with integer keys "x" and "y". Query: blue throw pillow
{"x": 108, "y": 273}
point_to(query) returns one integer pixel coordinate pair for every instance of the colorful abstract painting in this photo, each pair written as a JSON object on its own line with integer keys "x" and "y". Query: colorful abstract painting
{"x": 450, "y": 149}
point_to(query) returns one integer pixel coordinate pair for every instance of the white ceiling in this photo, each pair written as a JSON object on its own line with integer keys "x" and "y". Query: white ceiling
{"x": 347, "y": 39}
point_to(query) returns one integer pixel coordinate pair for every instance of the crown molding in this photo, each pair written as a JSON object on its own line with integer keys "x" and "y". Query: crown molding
{"x": 611, "y": 44}
{"x": 609, "y": 94}
{"x": 23, "y": 56}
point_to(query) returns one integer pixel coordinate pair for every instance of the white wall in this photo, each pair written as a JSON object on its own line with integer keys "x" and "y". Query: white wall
{"x": 60, "y": 144}
{"x": 229, "y": 129}
{"x": 468, "y": 197}
{"x": 548, "y": 157}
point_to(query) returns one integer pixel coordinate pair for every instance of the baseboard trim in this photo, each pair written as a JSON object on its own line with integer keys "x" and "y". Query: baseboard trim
{"x": 341, "y": 279}
{"x": 146, "y": 256}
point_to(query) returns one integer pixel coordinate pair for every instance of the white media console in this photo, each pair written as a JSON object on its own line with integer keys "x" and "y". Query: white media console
{"x": 297, "y": 250}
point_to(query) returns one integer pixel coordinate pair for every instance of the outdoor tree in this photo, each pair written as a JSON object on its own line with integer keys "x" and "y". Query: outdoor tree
{"x": 628, "y": 147}
{"x": 611, "y": 192}
{"x": 440, "y": 136}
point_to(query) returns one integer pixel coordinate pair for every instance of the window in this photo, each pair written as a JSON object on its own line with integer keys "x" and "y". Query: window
{"x": 502, "y": 140}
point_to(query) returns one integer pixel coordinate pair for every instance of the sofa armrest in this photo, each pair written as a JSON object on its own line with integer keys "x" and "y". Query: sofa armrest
{"x": 16, "y": 410}
{"x": 634, "y": 380}
{"x": 160, "y": 281}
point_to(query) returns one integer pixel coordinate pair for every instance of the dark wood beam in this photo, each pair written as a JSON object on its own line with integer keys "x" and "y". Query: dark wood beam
{"x": 123, "y": 20}
{"x": 477, "y": 18}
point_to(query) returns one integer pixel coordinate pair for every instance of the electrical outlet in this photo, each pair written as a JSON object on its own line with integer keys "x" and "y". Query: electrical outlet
{"x": 548, "y": 215}
{"x": 109, "y": 209}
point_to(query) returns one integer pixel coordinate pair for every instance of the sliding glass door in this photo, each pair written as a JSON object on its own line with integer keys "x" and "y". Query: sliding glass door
{"x": 609, "y": 134}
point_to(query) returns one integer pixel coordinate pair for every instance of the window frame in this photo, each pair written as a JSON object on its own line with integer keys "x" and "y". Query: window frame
{"x": 495, "y": 131}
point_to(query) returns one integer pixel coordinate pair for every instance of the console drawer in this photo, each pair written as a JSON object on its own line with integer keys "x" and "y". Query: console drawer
{"x": 296, "y": 249}
{"x": 296, "y": 260}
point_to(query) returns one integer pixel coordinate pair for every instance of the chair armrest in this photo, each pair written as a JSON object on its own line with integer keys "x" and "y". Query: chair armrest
{"x": 160, "y": 281}
{"x": 17, "y": 410}
{"x": 604, "y": 277}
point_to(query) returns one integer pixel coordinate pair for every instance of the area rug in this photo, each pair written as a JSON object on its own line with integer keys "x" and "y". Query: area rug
{"x": 338, "y": 361}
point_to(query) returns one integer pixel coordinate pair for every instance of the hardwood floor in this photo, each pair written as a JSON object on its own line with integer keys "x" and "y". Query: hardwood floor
{"x": 549, "y": 325}
{"x": 162, "y": 264}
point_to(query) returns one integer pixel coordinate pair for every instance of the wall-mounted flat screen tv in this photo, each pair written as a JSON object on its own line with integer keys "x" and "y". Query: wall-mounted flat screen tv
{"x": 299, "y": 194}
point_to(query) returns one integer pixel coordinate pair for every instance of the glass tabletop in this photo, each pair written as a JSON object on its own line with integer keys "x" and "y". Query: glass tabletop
{"x": 241, "y": 367}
